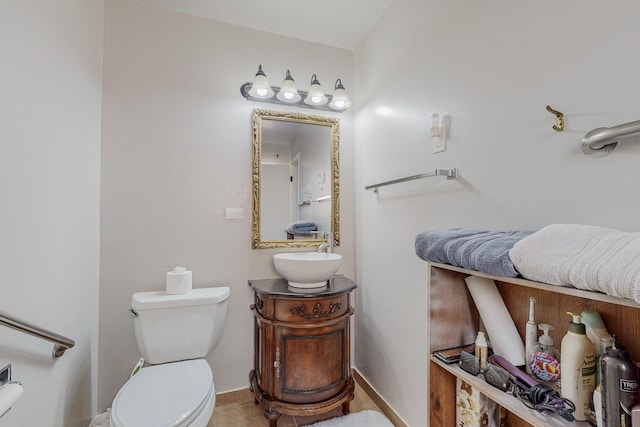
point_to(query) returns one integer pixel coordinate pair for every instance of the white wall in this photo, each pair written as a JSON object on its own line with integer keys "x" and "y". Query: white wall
{"x": 176, "y": 151}
{"x": 274, "y": 201}
{"x": 494, "y": 67}
{"x": 50, "y": 95}
{"x": 315, "y": 154}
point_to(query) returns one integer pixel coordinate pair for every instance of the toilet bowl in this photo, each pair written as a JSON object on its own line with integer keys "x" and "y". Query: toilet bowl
{"x": 173, "y": 395}
{"x": 173, "y": 333}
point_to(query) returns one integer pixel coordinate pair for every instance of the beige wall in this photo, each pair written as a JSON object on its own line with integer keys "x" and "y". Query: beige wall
{"x": 494, "y": 67}
{"x": 50, "y": 95}
{"x": 176, "y": 151}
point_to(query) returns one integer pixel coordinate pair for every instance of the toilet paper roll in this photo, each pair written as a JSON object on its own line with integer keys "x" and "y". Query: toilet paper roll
{"x": 503, "y": 333}
{"x": 179, "y": 281}
{"x": 9, "y": 394}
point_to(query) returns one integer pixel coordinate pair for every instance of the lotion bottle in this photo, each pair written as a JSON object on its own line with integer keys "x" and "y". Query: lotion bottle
{"x": 578, "y": 361}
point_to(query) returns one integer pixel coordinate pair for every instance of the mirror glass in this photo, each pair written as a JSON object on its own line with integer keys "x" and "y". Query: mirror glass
{"x": 296, "y": 179}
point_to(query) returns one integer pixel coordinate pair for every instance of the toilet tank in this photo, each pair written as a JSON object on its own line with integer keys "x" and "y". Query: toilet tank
{"x": 169, "y": 328}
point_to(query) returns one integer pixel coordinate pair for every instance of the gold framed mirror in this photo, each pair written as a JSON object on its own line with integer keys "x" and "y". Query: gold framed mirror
{"x": 296, "y": 180}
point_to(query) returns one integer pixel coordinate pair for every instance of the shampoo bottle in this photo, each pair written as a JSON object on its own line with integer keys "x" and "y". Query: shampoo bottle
{"x": 578, "y": 361}
{"x": 545, "y": 359}
{"x": 619, "y": 386}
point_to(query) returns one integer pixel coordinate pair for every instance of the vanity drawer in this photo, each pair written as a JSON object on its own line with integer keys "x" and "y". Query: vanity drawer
{"x": 305, "y": 310}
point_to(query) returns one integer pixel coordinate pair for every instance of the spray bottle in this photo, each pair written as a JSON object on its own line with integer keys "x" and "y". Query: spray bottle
{"x": 530, "y": 334}
{"x": 619, "y": 385}
{"x": 578, "y": 362}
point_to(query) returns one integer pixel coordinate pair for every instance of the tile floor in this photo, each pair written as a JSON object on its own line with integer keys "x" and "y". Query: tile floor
{"x": 238, "y": 410}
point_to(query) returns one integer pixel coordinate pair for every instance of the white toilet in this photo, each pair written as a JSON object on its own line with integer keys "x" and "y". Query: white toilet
{"x": 174, "y": 333}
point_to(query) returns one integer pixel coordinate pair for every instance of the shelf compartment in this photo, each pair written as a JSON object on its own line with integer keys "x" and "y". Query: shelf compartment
{"x": 507, "y": 401}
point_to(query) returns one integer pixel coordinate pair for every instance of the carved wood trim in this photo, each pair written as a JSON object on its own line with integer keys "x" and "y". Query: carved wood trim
{"x": 317, "y": 312}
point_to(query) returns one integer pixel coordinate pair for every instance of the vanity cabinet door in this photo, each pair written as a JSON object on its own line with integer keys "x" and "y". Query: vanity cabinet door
{"x": 312, "y": 364}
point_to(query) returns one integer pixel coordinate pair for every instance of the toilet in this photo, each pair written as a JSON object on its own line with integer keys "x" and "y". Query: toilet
{"x": 174, "y": 333}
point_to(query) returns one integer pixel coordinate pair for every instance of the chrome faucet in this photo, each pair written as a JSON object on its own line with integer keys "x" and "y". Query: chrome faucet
{"x": 327, "y": 247}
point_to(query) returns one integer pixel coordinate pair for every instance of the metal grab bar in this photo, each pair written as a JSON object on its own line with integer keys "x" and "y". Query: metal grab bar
{"x": 449, "y": 173}
{"x": 601, "y": 141}
{"x": 61, "y": 343}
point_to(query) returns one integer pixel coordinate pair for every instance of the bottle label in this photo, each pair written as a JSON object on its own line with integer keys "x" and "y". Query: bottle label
{"x": 544, "y": 366}
{"x": 588, "y": 371}
{"x": 628, "y": 386}
{"x": 589, "y": 366}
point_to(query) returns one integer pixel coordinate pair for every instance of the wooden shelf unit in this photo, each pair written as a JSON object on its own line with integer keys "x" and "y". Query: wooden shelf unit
{"x": 454, "y": 321}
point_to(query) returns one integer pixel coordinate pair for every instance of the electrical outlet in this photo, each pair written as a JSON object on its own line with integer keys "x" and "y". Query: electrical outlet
{"x": 439, "y": 144}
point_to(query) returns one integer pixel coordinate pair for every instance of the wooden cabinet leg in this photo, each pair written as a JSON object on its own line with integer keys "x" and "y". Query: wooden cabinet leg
{"x": 272, "y": 417}
{"x": 345, "y": 407}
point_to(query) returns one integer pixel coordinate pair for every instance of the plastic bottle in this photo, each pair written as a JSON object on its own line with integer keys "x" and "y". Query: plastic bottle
{"x": 619, "y": 386}
{"x": 481, "y": 350}
{"x": 596, "y": 330}
{"x": 578, "y": 361}
{"x": 530, "y": 334}
{"x": 545, "y": 358}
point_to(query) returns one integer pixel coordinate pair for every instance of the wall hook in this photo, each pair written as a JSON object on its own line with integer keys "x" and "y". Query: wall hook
{"x": 559, "y": 126}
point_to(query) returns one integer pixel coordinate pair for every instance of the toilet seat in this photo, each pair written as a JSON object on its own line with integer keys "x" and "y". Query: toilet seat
{"x": 171, "y": 395}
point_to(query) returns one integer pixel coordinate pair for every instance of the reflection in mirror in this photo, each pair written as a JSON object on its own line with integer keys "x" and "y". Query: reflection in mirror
{"x": 296, "y": 180}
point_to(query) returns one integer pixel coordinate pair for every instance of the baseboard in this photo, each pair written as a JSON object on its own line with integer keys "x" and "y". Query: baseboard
{"x": 378, "y": 400}
{"x": 245, "y": 395}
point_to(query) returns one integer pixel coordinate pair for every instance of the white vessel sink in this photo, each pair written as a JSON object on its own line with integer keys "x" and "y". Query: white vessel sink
{"x": 307, "y": 269}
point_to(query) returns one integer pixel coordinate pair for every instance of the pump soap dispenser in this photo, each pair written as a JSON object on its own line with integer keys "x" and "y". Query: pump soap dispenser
{"x": 578, "y": 361}
{"x": 545, "y": 359}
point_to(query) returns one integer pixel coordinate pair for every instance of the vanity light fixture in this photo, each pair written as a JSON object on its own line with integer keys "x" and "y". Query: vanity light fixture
{"x": 315, "y": 95}
{"x": 288, "y": 93}
{"x": 260, "y": 87}
{"x": 260, "y": 90}
{"x": 340, "y": 100}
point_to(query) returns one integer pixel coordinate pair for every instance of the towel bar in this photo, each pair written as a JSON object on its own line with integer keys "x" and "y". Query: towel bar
{"x": 602, "y": 141}
{"x": 60, "y": 343}
{"x": 449, "y": 173}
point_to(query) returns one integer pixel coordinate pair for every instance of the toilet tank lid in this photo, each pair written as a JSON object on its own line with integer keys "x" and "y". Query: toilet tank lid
{"x": 161, "y": 299}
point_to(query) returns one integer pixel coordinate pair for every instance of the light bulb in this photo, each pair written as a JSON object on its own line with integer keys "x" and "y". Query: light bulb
{"x": 288, "y": 93}
{"x": 340, "y": 100}
{"x": 260, "y": 87}
{"x": 315, "y": 95}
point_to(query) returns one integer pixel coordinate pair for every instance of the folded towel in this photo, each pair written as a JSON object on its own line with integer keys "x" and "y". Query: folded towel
{"x": 583, "y": 256}
{"x": 479, "y": 250}
{"x": 301, "y": 227}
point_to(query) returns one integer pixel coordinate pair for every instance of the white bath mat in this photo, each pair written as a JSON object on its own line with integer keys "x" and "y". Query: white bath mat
{"x": 357, "y": 419}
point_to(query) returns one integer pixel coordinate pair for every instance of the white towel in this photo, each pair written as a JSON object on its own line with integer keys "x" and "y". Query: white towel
{"x": 583, "y": 256}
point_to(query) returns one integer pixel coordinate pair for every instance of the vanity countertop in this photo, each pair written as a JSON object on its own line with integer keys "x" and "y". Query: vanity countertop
{"x": 337, "y": 285}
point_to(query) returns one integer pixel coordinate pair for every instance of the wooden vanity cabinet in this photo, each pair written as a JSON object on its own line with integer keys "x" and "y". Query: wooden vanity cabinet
{"x": 301, "y": 348}
{"x": 454, "y": 321}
